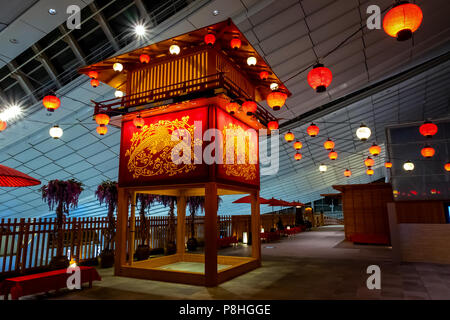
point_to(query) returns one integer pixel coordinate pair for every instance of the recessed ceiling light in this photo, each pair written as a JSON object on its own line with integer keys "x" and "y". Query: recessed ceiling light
{"x": 215, "y": 12}
{"x": 139, "y": 30}
{"x": 52, "y": 11}
{"x": 13, "y": 40}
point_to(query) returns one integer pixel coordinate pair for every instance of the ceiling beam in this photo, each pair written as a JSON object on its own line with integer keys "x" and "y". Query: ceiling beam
{"x": 23, "y": 81}
{"x": 106, "y": 28}
{"x": 73, "y": 44}
{"x": 46, "y": 63}
{"x": 144, "y": 13}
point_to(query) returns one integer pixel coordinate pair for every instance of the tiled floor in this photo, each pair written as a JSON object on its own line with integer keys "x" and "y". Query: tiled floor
{"x": 310, "y": 265}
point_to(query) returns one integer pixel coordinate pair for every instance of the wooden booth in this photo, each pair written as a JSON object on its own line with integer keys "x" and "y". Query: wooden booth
{"x": 181, "y": 121}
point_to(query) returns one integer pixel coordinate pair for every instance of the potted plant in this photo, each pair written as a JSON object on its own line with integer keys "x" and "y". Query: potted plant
{"x": 145, "y": 200}
{"x": 107, "y": 193}
{"x": 64, "y": 196}
{"x": 170, "y": 201}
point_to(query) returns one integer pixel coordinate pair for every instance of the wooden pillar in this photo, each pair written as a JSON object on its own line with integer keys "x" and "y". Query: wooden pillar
{"x": 121, "y": 231}
{"x": 211, "y": 234}
{"x": 181, "y": 225}
{"x": 132, "y": 228}
{"x": 255, "y": 227}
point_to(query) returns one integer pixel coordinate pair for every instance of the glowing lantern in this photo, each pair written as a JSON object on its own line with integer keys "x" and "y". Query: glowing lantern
{"x": 388, "y": 165}
{"x": 251, "y": 61}
{"x": 363, "y": 133}
{"x": 369, "y": 162}
{"x": 319, "y": 78}
{"x": 118, "y": 67}
{"x": 273, "y": 125}
{"x": 298, "y": 145}
{"x": 298, "y": 156}
{"x": 139, "y": 121}
{"x": 232, "y": 107}
{"x": 447, "y": 167}
{"x": 347, "y": 173}
{"x": 144, "y": 58}
{"x": 289, "y": 137}
{"x": 403, "y": 20}
{"x": 274, "y": 86}
{"x": 55, "y": 132}
{"x": 51, "y": 103}
{"x": 375, "y": 150}
{"x": 427, "y": 152}
{"x": 3, "y": 125}
{"x": 102, "y": 130}
{"x": 174, "y": 49}
{"x": 210, "y": 39}
{"x": 276, "y": 100}
{"x": 264, "y": 75}
{"x": 370, "y": 172}
{"x": 249, "y": 107}
{"x": 428, "y": 129}
{"x": 328, "y": 145}
{"x": 118, "y": 94}
{"x": 102, "y": 119}
{"x": 313, "y": 130}
{"x": 95, "y": 83}
{"x": 323, "y": 168}
{"x": 235, "y": 43}
{"x": 93, "y": 74}
{"x": 408, "y": 166}
{"x": 333, "y": 155}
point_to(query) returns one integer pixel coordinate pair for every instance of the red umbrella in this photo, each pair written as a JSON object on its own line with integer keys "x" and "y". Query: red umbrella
{"x": 12, "y": 178}
{"x": 278, "y": 203}
{"x": 247, "y": 199}
{"x": 297, "y": 204}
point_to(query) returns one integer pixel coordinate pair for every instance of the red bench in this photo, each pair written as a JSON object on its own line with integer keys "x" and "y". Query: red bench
{"x": 226, "y": 241}
{"x": 45, "y": 282}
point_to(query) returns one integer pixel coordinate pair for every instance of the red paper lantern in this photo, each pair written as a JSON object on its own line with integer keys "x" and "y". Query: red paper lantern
{"x": 313, "y": 130}
{"x": 3, "y": 125}
{"x": 102, "y": 119}
{"x": 93, "y": 74}
{"x": 235, "y": 43}
{"x": 319, "y": 78}
{"x": 427, "y": 152}
{"x": 370, "y": 171}
{"x": 333, "y": 155}
{"x": 428, "y": 129}
{"x": 249, "y": 107}
{"x": 102, "y": 130}
{"x": 298, "y": 145}
{"x": 403, "y": 20}
{"x": 298, "y": 156}
{"x": 276, "y": 100}
{"x": 375, "y": 150}
{"x": 139, "y": 122}
{"x": 272, "y": 125}
{"x": 144, "y": 58}
{"x": 95, "y": 83}
{"x": 369, "y": 162}
{"x": 347, "y": 173}
{"x": 388, "y": 165}
{"x": 51, "y": 103}
{"x": 447, "y": 166}
{"x": 289, "y": 137}
{"x": 328, "y": 145}
{"x": 264, "y": 75}
{"x": 210, "y": 39}
{"x": 232, "y": 107}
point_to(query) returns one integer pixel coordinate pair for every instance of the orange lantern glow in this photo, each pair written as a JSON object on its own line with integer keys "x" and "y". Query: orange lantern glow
{"x": 210, "y": 39}
{"x": 289, "y": 137}
{"x": 272, "y": 125}
{"x": 232, "y": 107}
{"x": 95, "y": 83}
{"x": 333, "y": 155}
{"x": 51, "y": 103}
{"x": 264, "y": 75}
{"x": 144, "y": 58}
{"x": 369, "y": 162}
{"x": 298, "y": 156}
{"x": 319, "y": 78}
{"x": 93, "y": 74}
{"x": 375, "y": 149}
{"x": 102, "y": 119}
{"x": 347, "y": 173}
{"x": 313, "y": 130}
{"x": 139, "y": 121}
{"x": 428, "y": 129}
{"x": 249, "y": 107}
{"x": 298, "y": 145}
{"x": 3, "y": 125}
{"x": 235, "y": 43}
{"x": 370, "y": 171}
{"x": 276, "y": 100}
{"x": 447, "y": 166}
{"x": 329, "y": 144}
{"x": 427, "y": 152}
{"x": 403, "y": 20}
{"x": 388, "y": 165}
{"x": 102, "y": 130}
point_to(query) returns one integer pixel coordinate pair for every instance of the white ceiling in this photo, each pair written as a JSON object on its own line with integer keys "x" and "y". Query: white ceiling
{"x": 290, "y": 35}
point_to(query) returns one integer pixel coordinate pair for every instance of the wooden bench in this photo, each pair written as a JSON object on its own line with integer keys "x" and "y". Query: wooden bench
{"x": 45, "y": 282}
